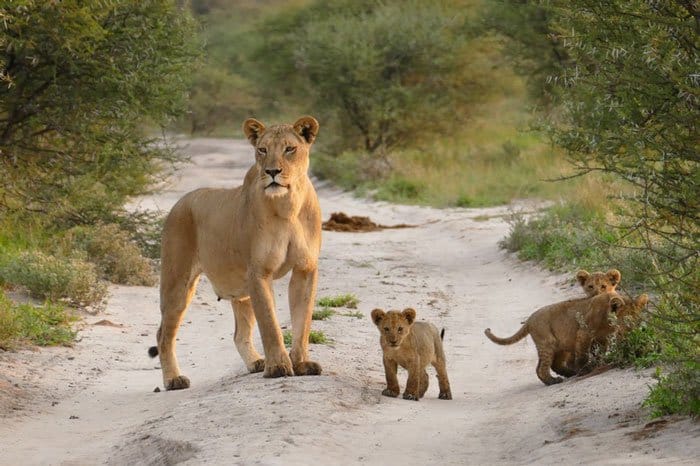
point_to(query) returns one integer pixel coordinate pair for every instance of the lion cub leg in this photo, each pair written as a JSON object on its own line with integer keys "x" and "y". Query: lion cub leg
{"x": 243, "y": 336}
{"x": 562, "y": 364}
{"x": 546, "y": 357}
{"x": 302, "y": 295}
{"x": 175, "y": 298}
{"x": 424, "y": 383}
{"x": 440, "y": 366}
{"x": 392, "y": 382}
{"x": 413, "y": 383}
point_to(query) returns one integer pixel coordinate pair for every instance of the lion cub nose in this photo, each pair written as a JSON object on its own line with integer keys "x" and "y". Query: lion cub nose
{"x": 273, "y": 172}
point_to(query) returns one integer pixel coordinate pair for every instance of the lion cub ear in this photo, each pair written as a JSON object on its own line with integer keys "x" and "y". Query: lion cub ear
{"x": 377, "y": 316}
{"x": 642, "y": 301}
{"x": 582, "y": 276}
{"x": 409, "y": 314}
{"x": 614, "y": 276}
{"x": 307, "y": 128}
{"x": 616, "y": 303}
{"x": 253, "y": 129}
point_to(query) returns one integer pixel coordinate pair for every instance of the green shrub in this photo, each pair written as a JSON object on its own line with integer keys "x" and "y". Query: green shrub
{"x": 341, "y": 300}
{"x": 47, "y": 325}
{"x": 322, "y": 314}
{"x": 117, "y": 258}
{"x": 54, "y": 278}
{"x": 676, "y": 393}
{"x": 639, "y": 347}
{"x": 316, "y": 337}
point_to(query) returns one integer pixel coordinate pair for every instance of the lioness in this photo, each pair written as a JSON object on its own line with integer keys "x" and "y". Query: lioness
{"x": 598, "y": 282}
{"x": 571, "y": 327}
{"x": 242, "y": 239}
{"x": 411, "y": 345}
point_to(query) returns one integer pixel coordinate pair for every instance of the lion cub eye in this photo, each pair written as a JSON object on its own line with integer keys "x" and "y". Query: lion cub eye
{"x": 386, "y": 329}
{"x": 400, "y": 329}
{"x": 290, "y": 150}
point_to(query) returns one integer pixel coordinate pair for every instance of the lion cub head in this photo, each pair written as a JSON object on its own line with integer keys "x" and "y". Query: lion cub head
{"x": 281, "y": 153}
{"x": 394, "y": 326}
{"x": 598, "y": 282}
{"x": 627, "y": 311}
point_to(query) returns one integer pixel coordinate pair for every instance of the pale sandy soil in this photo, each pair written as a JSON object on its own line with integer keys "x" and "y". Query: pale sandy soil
{"x": 95, "y": 403}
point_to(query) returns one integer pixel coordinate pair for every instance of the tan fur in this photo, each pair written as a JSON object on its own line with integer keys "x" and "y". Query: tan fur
{"x": 411, "y": 345}
{"x": 598, "y": 282}
{"x": 572, "y": 327}
{"x": 242, "y": 239}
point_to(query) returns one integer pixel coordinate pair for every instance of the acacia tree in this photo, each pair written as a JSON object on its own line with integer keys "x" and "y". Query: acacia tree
{"x": 81, "y": 80}
{"x": 630, "y": 101}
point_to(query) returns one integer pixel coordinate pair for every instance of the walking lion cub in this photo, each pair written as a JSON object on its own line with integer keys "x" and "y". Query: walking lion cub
{"x": 571, "y": 327}
{"x": 411, "y": 345}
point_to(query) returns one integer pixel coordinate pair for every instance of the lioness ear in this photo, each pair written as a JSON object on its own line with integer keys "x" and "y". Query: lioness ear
{"x": 642, "y": 301}
{"x": 409, "y": 314}
{"x": 616, "y": 303}
{"x": 582, "y": 276}
{"x": 307, "y": 128}
{"x": 253, "y": 129}
{"x": 614, "y": 276}
{"x": 377, "y": 316}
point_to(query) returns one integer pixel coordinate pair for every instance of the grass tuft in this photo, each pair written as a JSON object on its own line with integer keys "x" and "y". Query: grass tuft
{"x": 342, "y": 300}
{"x": 316, "y": 337}
{"x": 47, "y": 325}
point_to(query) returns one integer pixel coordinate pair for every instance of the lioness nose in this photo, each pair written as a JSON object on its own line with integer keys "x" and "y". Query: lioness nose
{"x": 273, "y": 172}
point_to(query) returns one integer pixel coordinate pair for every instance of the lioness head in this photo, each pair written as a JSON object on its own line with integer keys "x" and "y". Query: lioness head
{"x": 281, "y": 152}
{"x": 598, "y": 282}
{"x": 394, "y": 325}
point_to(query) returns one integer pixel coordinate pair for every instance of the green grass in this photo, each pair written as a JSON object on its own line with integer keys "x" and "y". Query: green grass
{"x": 356, "y": 314}
{"x": 342, "y": 300}
{"x": 316, "y": 337}
{"x": 47, "y": 325}
{"x": 322, "y": 314}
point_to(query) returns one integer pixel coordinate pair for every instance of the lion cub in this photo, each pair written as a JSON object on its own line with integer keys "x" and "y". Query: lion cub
{"x": 598, "y": 282}
{"x": 411, "y": 345}
{"x": 572, "y": 327}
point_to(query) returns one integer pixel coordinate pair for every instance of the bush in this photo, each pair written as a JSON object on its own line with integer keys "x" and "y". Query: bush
{"x": 54, "y": 278}
{"x": 46, "y": 325}
{"x": 117, "y": 258}
{"x": 678, "y": 392}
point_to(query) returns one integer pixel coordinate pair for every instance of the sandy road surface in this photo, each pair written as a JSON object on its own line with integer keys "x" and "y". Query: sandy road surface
{"x": 95, "y": 404}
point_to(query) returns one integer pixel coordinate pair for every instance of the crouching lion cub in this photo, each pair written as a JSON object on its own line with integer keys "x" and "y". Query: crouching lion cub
{"x": 411, "y": 345}
{"x": 572, "y": 327}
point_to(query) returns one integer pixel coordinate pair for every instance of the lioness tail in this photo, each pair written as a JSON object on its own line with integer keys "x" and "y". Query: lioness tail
{"x": 519, "y": 335}
{"x": 153, "y": 351}
{"x": 442, "y": 334}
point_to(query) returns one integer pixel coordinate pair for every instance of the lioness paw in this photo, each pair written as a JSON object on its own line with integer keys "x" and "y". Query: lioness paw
{"x": 272, "y": 372}
{"x": 257, "y": 366}
{"x": 410, "y": 396}
{"x": 389, "y": 392}
{"x": 178, "y": 383}
{"x": 307, "y": 368}
{"x": 445, "y": 395}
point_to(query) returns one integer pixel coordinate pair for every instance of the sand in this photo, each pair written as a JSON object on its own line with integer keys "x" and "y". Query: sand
{"x": 95, "y": 403}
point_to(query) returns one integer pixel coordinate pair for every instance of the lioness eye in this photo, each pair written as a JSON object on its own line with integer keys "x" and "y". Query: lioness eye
{"x": 290, "y": 149}
{"x": 262, "y": 150}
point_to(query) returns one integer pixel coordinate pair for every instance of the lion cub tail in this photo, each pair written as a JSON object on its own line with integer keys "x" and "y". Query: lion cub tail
{"x": 519, "y": 335}
{"x": 153, "y": 351}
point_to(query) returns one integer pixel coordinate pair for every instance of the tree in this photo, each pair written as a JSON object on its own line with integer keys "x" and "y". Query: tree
{"x": 630, "y": 102}
{"x": 82, "y": 81}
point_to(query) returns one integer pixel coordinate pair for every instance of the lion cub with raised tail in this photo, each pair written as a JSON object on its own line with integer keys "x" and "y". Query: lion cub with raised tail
{"x": 411, "y": 345}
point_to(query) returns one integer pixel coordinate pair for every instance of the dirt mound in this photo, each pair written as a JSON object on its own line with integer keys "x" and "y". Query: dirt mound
{"x": 340, "y": 221}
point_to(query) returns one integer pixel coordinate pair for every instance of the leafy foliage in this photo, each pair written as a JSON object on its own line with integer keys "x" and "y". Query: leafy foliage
{"x": 47, "y": 325}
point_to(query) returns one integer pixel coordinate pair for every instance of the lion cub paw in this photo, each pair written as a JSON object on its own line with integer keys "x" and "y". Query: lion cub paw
{"x": 410, "y": 396}
{"x": 178, "y": 383}
{"x": 307, "y": 368}
{"x": 257, "y": 366}
{"x": 390, "y": 392}
{"x": 272, "y": 372}
{"x": 554, "y": 380}
{"x": 445, "y": 395}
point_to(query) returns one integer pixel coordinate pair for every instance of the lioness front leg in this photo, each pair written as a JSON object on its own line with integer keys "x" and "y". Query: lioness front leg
{"x": 243, "y": 335}
{"x": 277, "y": 362}
{"x": 392, "y": 382}
{"x": 302, "y": 294}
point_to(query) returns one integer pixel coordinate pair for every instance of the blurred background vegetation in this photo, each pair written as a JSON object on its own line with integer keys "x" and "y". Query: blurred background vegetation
{"x": 463, "y": 103}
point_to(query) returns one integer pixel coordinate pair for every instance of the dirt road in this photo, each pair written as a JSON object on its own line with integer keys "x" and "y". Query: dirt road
{"x": 95, "y": 404}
